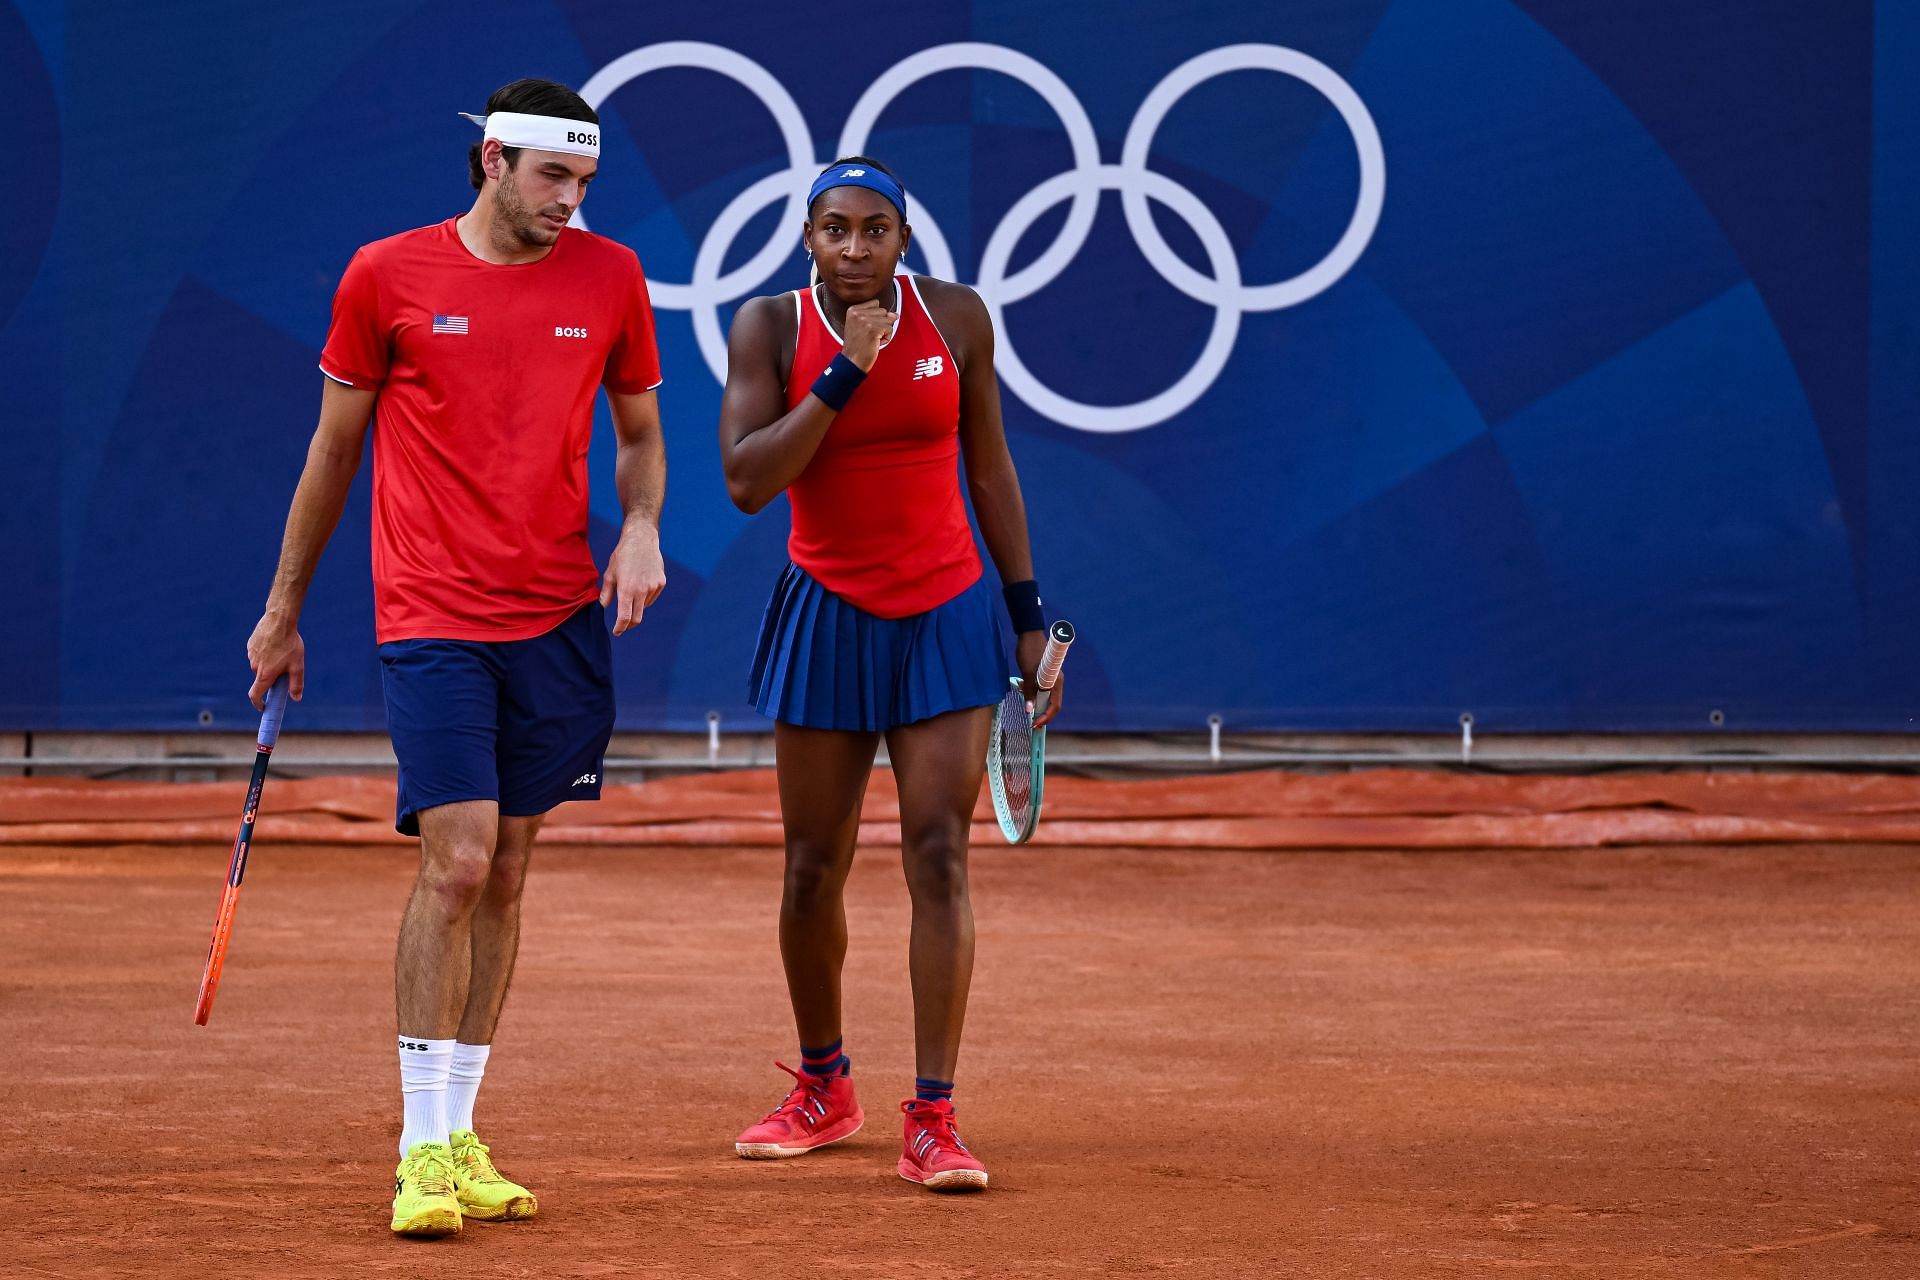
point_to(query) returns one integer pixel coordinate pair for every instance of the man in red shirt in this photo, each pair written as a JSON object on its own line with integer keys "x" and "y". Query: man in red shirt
{"x": 477, "y": 345}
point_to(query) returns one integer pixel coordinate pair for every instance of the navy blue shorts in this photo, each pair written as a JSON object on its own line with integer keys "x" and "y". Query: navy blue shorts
{"x": 523, "y": 722}
{"x": 824, "y": 664}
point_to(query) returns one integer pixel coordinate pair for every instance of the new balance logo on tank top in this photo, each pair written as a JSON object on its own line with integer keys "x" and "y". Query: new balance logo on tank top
{"x": 486, "y": 377}
{"x": 877, "y": 515}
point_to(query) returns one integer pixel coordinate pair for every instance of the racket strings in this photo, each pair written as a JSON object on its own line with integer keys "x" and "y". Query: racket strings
{"x": 1013, "y": 766}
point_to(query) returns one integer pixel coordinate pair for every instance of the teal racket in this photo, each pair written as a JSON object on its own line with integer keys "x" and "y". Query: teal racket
{"x": 1017, "y": 752}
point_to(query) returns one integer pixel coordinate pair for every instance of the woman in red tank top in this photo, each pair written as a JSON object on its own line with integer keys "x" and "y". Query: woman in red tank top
{"x": 859, "y": 398}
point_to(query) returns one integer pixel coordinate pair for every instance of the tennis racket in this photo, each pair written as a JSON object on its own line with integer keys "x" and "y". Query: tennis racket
{"x": 1017, "y": 752}
{"x": 237, "y": 865}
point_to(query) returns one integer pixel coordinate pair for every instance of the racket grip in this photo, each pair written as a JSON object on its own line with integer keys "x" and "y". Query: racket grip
{"x": 1059, "y": 636}
{"x": 276, "y": 712}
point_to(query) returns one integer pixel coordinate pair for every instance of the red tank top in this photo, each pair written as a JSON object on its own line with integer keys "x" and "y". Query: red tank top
{"x": 877, "y": 515}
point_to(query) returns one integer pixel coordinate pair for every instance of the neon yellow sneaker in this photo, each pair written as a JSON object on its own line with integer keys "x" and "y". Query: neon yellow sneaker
{"x": 423, "y": 1199}
{"x": 482, "y": 1192}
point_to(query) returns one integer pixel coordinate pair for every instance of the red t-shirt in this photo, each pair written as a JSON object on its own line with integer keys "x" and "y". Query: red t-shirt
{"x": 877, "y": 515}
{"x": 486, "y": 375}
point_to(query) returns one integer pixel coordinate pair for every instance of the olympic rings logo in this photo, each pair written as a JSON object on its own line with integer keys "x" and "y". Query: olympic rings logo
{"x": 1081, "y": 185}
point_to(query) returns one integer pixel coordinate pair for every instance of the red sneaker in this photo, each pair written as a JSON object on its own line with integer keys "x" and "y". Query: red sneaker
{"x": 818, "y": 1110}
{"x": 932, "y": 1153}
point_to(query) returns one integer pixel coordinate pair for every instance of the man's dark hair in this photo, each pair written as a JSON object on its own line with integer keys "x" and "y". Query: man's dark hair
{"x": 533, "y": 98}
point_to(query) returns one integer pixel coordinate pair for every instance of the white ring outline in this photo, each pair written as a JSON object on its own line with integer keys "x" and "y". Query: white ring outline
{"x": 703, "y": 294}
{"x": 1134, "y": 153}
{"x": 1226, "y": 321}
{"x": 773, "y": 95}
{"x": 969, "y": 55}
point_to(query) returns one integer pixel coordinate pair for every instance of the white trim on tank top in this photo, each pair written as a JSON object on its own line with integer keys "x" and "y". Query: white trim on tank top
{"x": 822, "y": 311}
{"x": 933, "y": 324}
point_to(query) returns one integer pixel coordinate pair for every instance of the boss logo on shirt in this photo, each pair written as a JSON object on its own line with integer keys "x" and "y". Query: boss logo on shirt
{"x": 562, "y": 331}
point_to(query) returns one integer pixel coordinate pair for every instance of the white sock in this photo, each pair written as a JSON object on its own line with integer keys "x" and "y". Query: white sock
{"x": 423, "y": 1087}
{"x": 463, "y": 1083}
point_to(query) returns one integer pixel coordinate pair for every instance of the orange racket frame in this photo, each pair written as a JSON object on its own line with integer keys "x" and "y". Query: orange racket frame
{"x": 237, "y": 864}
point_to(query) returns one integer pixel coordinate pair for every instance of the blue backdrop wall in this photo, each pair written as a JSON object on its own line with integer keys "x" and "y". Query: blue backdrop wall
{"x": 1365, "y": 361}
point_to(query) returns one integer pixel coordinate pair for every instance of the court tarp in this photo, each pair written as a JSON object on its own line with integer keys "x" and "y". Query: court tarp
{"x": 1364, "y": 809}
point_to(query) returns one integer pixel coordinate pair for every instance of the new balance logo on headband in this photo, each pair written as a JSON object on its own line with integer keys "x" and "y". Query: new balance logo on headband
{"x": 854, "y": 173}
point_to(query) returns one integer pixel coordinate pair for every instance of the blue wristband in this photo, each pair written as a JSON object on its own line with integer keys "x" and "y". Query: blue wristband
{"x": 838, "y": 381}
{"x": 1023, "y": 606}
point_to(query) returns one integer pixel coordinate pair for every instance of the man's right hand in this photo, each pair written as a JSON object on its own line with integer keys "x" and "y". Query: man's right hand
{"x": 275, "y": 648}
{"x": 869, "y": 325}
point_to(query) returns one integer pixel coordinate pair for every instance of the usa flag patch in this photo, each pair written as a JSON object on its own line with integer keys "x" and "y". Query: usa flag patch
{"x": 449, "y": 324}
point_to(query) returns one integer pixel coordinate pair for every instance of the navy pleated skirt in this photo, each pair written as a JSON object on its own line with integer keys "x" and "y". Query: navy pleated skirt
{"x": 824, "y": 664}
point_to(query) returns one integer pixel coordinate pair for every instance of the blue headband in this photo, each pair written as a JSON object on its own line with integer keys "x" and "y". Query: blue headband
{"x": 855, "y": 175}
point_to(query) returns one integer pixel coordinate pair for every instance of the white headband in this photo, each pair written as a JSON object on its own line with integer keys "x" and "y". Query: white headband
{"x": 542, "y": 133}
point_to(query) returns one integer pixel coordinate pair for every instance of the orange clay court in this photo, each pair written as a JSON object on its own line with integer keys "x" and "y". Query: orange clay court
{"x": 1381, "y": 1024}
